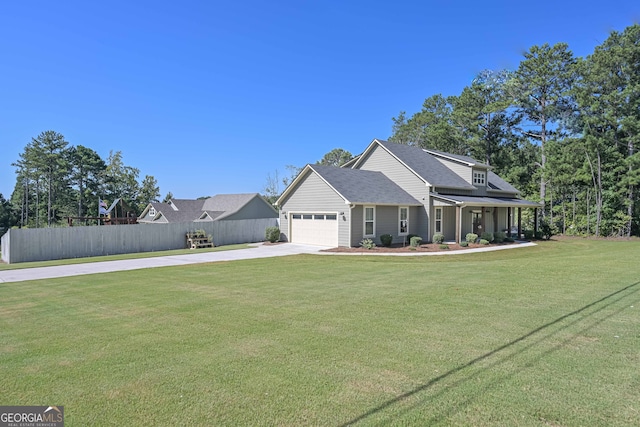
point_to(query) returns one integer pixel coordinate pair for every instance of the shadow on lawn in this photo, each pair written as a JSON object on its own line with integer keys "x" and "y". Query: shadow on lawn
{"x": 431, "y": 383}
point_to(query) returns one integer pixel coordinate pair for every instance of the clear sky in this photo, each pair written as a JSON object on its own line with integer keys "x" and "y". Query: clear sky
{"x": 211, "y": 97}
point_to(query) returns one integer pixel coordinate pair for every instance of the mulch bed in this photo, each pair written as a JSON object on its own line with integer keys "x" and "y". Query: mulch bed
{"x": 398, "y": 248}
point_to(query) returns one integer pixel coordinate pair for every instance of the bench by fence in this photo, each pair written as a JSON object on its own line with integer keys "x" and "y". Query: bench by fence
{"x": 197, "y": 240}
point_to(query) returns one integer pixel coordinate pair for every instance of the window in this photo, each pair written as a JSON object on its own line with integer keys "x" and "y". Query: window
{"x": 307, "y": 216}
{"x": 438, "y": 222}
{"x": 152, "y": 211}
{"x": 331, "y": 217}
{"x": 318, "y": 216}
{"x": 404, "y": 221}
{"x": 479, "y": 178}
{"x": 297, "y": 216}
{"x": 369, "y": 221}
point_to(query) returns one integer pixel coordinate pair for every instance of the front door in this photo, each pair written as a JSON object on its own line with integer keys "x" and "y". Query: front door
{"x": 477, "y": 222}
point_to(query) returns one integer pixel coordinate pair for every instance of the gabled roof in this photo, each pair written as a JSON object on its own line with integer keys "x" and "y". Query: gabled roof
{"x": 209, "y": 215}
{"x": 423, "y": 164}
{"x": 357, "y": 186}
{"x": 227, "y": 203}
{"x": 209, "y": 209}
{"x": 469, "y": 161}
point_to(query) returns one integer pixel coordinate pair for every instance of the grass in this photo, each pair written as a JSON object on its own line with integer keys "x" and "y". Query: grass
{"x": 137, "y": 255}
{"x": 528, "y": 337}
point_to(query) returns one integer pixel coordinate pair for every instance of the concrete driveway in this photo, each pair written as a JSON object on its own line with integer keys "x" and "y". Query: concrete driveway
{"x": 257, "y": 251}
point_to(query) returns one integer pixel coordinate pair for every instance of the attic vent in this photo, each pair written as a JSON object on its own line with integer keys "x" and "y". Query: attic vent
{"x": 493, "y": 186}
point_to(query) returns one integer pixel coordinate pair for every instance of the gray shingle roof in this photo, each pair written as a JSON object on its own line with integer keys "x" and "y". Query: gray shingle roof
{"x": 171, "y": 215}
{"x": 487, "y": 201}
{"x": 188, "y": 210}
{"x": 497, "y": 183}
{"x": 188, "y": 204}
{"x": 228, "y": 203}
{"x": 465, "y": 159}
{"x": 211, "y": 215}
{"x": 363, "y": 187}
{"x": 426, "y": 166}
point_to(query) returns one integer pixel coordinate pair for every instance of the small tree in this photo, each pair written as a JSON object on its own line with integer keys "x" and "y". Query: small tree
{"x": 272, "y": 234}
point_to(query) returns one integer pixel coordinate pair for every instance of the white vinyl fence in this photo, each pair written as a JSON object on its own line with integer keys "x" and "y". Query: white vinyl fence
{"x": 41, "y": 244}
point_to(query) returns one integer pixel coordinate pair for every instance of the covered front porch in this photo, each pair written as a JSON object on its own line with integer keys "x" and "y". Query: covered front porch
{"x": 454, "y": 216}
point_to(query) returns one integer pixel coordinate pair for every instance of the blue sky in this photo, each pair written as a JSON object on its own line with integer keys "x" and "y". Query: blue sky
{"x": 212, "y": 97}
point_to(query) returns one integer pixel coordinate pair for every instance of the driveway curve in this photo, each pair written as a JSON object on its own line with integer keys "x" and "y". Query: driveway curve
{"x": 256, "y": 251}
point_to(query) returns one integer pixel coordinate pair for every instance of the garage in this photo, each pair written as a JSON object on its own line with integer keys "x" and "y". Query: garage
{"x": 315, "y": 229}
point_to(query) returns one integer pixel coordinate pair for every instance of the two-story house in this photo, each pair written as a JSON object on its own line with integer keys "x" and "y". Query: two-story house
{"x": 399, "y": 190}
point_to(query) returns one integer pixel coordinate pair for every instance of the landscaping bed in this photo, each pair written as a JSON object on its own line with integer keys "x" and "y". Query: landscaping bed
{"x": 399, "y": 248}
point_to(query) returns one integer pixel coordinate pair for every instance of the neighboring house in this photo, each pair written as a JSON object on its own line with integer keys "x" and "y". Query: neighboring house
{"x": 221, "y": 206}
{"x": 399, "y": 190}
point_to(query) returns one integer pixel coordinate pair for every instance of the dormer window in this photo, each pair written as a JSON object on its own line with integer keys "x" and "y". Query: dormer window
{"x": 152, "y": 211}
{"x": 479, "y": 178}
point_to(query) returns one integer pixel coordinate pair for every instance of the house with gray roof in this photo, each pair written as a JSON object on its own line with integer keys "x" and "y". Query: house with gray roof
{"x": 398, "y": 190}
{"x": 221, "y": 206}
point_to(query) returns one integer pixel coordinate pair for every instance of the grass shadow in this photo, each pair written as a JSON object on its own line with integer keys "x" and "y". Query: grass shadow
{"x": 609, "y": 299}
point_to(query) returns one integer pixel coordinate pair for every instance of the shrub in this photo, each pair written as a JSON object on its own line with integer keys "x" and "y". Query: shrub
{"x": 272, "y": 234}
{"x": 509, "y": 240}
{"x": 367, "y": 244}
{"x": 487, "y": 236}
{"x": 415, "y": 241}
{"x": 499, "y": 236}
{"x": 438, "y": 238}
{"x": 546, "y": 230}
{"x": 528, "y": 234}
{"x": 407, "y": 238}
{"x": 471, "y": 237}
{"x": 444, "y": 246}
{"x": 464, "y": 244}
{"x": 386, "y": 239}
{"x": 484, "y": 242}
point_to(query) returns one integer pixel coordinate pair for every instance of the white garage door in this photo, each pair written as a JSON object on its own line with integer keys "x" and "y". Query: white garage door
{"x": 315, "y": 229}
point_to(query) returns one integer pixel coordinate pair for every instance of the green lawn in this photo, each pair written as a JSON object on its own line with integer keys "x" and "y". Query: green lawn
{"x": 542, "y": 336}
{"x": 136, "y": 255}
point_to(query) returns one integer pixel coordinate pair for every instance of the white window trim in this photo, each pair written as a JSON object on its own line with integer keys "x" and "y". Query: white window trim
{"x": 479, "y": 178}
{"x": 152, "y": 211}
{"x": 400, "y": 233}
{"x": 364, "y": 221}
{"x": 436, "y": 220}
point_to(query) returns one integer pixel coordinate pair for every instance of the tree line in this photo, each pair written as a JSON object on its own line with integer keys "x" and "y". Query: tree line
{"x": 56, "y": 180}
{"x": 562, "y": 129}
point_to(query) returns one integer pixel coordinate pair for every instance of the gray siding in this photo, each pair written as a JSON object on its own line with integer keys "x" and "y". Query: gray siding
{"x": 42, "y": 244}
{"x": 466, "y": 222}
{"x": 448, "y": 222}
{"x": 461, "y": 170}
{"x": 380, "y": 160}
{"x": 502, "y": 219}
{"x": 146, "y": 218}
{"x": 314, "y": 195}
{"x": 357, "y": 225}
{"x": 386, "y": 221}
